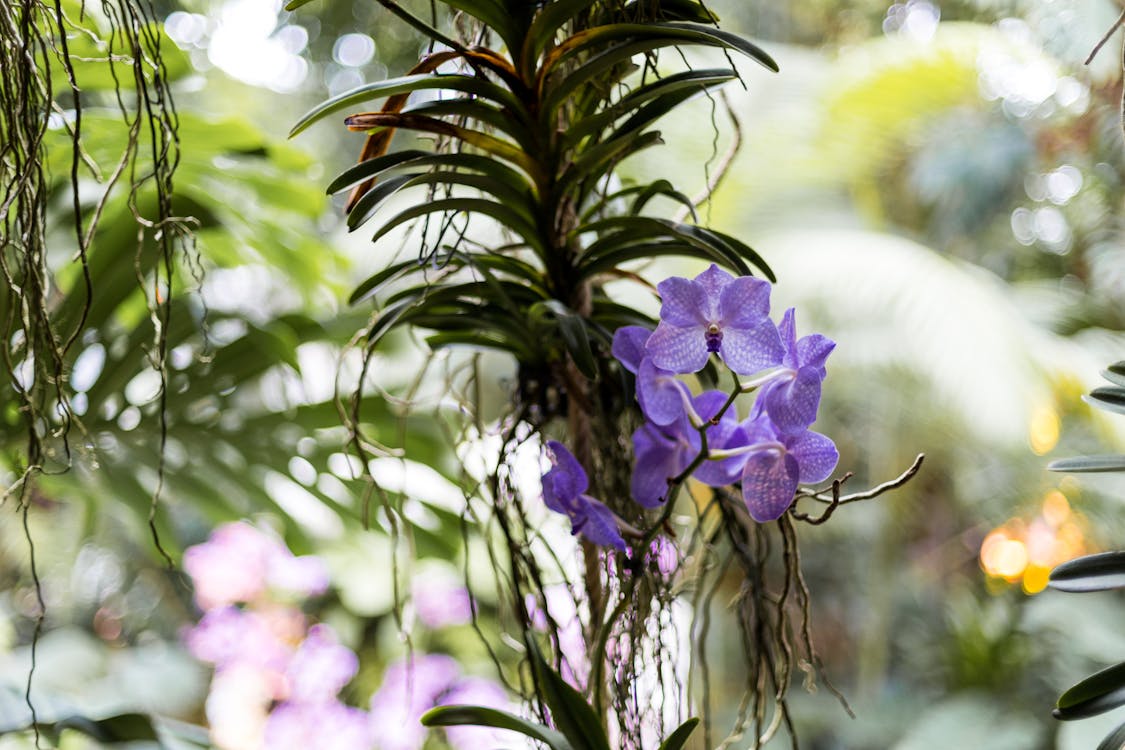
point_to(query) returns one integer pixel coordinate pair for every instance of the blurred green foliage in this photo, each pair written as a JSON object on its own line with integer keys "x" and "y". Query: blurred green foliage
{"x": 919, "y": 186}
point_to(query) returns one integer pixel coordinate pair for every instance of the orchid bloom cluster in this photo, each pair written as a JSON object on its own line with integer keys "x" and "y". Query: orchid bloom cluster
{"x": 277, "y": 678}
{"x": 769, "y": 453}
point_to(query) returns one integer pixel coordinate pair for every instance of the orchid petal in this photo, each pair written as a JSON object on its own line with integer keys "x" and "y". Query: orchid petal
{"x": 598, "y": 524}
{"x": 654, "y": 465}
{"x": 813, "y": 350}
{"x": 725, "y": 435}
{"x": 744, "y": 303}
{"x": 677, "y": 349}
{"x": 792, "y": 406}
{"x": 816, "y": 455}
{"x": 681, "y": 302}
{"x": 714, "y": 281}
{"x": 787, "y": 329}
{"x": 568, "y": 478}
{"x": 750, "y": 350}
{"x": 629, "y": 346}
{"x": 661, "y": 396}
{"x": 769, "y": 483}
{"x": 708, "y": 403}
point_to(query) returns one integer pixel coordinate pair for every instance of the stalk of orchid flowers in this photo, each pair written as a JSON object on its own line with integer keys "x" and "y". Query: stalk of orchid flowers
{"x": 764, "y": 458}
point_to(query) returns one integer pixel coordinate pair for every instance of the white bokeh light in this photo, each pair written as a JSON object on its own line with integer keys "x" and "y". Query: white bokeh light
{"x": 245, "y": 46}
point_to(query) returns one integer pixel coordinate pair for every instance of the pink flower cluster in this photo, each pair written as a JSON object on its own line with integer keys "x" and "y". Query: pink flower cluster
{"x": 277, "y": 679}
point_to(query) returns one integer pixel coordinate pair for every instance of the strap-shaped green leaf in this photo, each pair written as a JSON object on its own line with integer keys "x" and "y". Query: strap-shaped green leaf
{"x": 1109, "y": 398}
{"x": 674, "y": 10}
{"x": 660, "y": 187}
{"x": 373, "y": 284}
{"x": 1099, "y": 572}
{"x": 128, "y": 727}
{"x": 678, "y": 738}
{"x": 492, "y": 13}
{"x": 552, "y": 17}
{"x": 506, "y": 194}
{"x": 1115, "y": 740}
{"x": 631, "y": 250}
{"x": 408, "y": 84}
{"x": 572, "y": 328}
{"x": 741, "y": 248}
{"x": 715, "y": 245}
{"x": 1096, "y": 694}
{"x": 574, "y": 717}
{"x": 366, "y": 206}
{"x": 502, "y": 149}
{"x": 657, "y": 35}
{"x": 1115, "y": 373}
{"x": 369, "y": 168}
{"x": 477, "y": 109}
{"x": 474, "y": 162}
{"x": 448, "y": 716}
{"x": 1088, "y": 464}
{"x": 694, "y": 81}
{"x": 594, "y": 163}
{"x": 507, "y": 217}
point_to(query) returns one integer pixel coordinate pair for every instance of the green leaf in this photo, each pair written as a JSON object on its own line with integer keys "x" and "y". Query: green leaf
{"x": 1115, "y": 740}
{"x": 546, "y": 25}
{"x": 373, "y": 284}
{"x": 1096, "y": 694}
{"x": 572, "y": 328}
{"x": 294, "y": 4}
{"x": 660, "y": 187}
{"x": 448, "y": 716}
{"x": 716, "y": 246}
{"x": 498, "y": 147}
{"x": 476, "y": 109}
{"x": 1099, "y": 572}
{"x": 678, "y": 738}
{"x": 574, "y": 717}
{"x": 1109, "y": 398}
{"x": 674, "y": 10}
{"x": 507, "y": 217}
{"x": 128, "y": 727}
{"x": 408, "y": 84}
{"x": 595, "y": 162}
{"x": 493, "y": 15}
{"x": 1115, "y": 373}
{"x": 366, "y": 206}
{"x": 1088, "y": 464}
{"x": 369, "y": 168}
{"x": 504, "y": 193}
{"x": 656, "y": 35}
{"x": 693, "y": 81}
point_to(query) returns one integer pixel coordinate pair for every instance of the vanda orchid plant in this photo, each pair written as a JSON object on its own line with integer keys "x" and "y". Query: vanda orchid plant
{"x": 518, "y": 219}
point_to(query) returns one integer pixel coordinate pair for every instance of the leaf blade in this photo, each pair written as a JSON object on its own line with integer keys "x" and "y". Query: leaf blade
{"x": 1100, "y": 572}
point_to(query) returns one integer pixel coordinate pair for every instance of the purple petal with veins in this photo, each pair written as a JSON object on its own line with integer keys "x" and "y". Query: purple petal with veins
{"x": 629, "y": 346}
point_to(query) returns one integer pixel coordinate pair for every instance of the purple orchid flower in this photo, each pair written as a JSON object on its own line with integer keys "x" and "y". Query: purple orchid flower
{"x": 776, "y": 462}
{"x": 715, "y": 313}
{"x": 564, "y": 488}
{"x": 662, "y": 397}
{"x": 662, "y": 453}
{"x": 792, "y": 397}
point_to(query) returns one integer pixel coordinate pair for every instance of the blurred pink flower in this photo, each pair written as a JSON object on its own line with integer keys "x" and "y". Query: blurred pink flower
{"x": 230, "y": 636}
{"x": 239, "y": 561}
{"x": 320, "y": 668}
{"x": 440, "y": 600}
{"x": 328, "y": 725}
{"x": 410, "y": 688}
